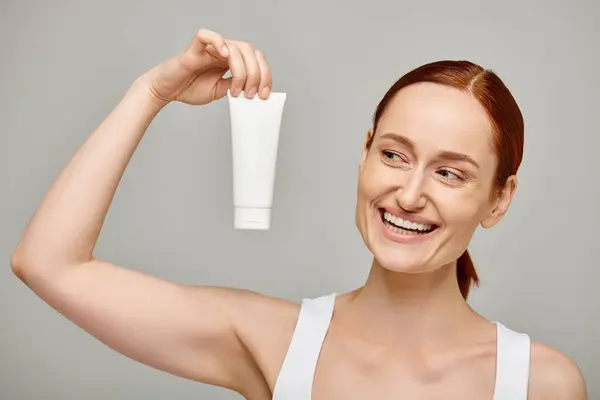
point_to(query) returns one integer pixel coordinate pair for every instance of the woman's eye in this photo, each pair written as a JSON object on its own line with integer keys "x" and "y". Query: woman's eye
{"x": 392, "y": 156}
{"x": 449, "y": 175}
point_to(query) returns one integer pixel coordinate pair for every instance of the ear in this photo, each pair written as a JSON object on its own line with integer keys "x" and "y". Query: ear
{"x": 501, "y": 203}
{"x": 366, "y": 147}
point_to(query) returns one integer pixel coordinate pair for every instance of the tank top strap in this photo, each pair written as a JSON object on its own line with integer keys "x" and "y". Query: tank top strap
{"x": 295, "y": 379}
{"x": 512, "y": 364}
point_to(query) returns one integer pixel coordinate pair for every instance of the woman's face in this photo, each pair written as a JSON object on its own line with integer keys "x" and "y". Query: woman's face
{"x": 430, "y": 168}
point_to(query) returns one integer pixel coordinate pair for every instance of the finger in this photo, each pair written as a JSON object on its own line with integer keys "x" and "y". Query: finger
{"x": 264, "y": 88}
{"x": 206, "y": 37}
{"x": 252, "y": 69}
{"x": 221, "y": 88}
{"x": 237, "y": 68}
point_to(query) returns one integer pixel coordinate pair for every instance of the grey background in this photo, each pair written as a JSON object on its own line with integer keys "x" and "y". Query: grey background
{"x": 65, "y": 64}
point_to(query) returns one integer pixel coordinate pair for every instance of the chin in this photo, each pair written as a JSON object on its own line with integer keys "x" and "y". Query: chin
{"x": 402, "y": 261}
{"x": 403, "y": 253}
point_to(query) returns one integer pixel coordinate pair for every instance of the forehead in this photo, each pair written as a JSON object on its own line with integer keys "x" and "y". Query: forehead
{"x": 439, "y": 118}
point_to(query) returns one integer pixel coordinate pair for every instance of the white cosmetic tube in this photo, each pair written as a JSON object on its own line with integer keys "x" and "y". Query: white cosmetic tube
{"x": 255, "y": 125}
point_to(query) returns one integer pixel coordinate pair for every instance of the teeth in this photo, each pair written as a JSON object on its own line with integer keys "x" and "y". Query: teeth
{"x": 405, "y": 224}
{"x": 400, "y": 231}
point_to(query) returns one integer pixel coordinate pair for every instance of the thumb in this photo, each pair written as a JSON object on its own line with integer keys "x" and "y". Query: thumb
{"x": 221, "y": 88}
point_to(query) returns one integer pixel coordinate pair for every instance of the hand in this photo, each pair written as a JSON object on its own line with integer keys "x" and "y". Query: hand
{"x": 195, "y": 76}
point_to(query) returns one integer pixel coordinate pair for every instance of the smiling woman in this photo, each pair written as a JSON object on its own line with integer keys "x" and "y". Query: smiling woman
{"x": 477, "y": 90}
{"x": 440, "y": 160}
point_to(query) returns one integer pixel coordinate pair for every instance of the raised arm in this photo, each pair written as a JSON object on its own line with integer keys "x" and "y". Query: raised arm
{"x": 188, "y": 331}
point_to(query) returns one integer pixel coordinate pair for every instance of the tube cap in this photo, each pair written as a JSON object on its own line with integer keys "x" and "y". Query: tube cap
{"x": 252, "y": 218}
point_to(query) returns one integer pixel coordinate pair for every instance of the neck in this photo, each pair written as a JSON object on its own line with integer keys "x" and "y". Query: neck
{"x": 424, "y": 310}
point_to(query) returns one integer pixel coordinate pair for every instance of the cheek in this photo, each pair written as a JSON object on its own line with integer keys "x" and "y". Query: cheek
{"x": 365, "y": 194}
{"x": 367, "y": 182}
{"x": 371, "y": 186}
{"x": 461, "y": 208}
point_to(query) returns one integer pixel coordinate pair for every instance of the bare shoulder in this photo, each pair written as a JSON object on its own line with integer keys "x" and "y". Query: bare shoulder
{"x": 255, "y": 310}
{"x": 265, "y": 326}
{"x": 258, "y": 317}
{"x": 554, "y": 376}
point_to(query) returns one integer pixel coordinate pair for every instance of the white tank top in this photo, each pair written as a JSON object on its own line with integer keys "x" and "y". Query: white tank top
{"x": 295, "y": 379}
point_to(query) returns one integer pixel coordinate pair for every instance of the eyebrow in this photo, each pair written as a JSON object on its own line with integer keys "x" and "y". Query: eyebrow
{"x": 446, "y": 155}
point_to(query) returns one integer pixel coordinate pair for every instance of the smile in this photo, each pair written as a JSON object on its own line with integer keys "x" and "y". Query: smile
{"x": 403, "y": 227}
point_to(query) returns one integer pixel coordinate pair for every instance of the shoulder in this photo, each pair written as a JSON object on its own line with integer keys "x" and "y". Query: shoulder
{"x": 254, "y": 312}
{"x": 265, "y": 326}
{"x": 554, "y": 376}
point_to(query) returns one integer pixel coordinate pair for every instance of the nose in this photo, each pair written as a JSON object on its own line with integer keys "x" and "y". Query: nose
{"x": 410, "y": 196}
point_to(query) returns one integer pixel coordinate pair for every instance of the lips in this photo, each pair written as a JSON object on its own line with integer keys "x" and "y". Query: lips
{"x": 403, "y": 220}
{"x": 403, "y": 235}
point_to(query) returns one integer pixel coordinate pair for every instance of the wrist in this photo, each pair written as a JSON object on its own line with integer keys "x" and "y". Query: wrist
{"x": 141, "y": 91}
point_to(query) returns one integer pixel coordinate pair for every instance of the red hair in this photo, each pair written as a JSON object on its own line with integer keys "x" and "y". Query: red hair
{"x": 503, "y": 112}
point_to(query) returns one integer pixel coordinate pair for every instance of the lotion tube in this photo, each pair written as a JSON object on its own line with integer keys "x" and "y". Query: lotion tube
{"x": 255, "y": 125}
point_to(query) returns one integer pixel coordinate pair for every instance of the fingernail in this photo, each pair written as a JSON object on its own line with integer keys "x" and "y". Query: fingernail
{"x": 236, "y": 92}
{"x": 265, "y": 92}
{"x": 251, "y": 93}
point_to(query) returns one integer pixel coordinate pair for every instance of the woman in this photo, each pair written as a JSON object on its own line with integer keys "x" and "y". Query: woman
{"x": 440, "y": 160}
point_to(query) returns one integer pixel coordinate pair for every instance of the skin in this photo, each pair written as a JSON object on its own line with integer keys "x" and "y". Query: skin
{"x": 406, "y": 333}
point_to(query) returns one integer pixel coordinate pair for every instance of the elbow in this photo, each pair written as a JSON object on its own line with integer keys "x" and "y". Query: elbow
{"x": 18, "y": 265}
{"x": 30, "y": 267}
{"x": 22, "y": 264}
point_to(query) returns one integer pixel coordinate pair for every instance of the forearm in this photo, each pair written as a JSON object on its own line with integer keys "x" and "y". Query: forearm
{"x": 65, "y": 227}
